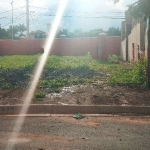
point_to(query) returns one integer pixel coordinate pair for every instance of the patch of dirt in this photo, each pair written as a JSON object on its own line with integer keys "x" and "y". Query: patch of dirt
{"x": 100, "y": 94}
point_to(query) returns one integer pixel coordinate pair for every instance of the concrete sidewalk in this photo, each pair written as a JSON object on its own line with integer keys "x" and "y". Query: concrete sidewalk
{"x": 67, "y": 133}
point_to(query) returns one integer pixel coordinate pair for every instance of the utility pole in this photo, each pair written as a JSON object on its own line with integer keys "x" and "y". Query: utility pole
{"x": 27, "y": 17}
{"x": 12, "y": 22}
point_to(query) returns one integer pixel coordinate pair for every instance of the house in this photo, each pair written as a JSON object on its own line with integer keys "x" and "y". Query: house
{"x": 37, "y": 34}
{"x": 133, "y": 38}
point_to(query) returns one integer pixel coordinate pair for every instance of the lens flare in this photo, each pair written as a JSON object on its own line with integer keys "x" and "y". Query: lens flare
{"x": 36, "y": 76}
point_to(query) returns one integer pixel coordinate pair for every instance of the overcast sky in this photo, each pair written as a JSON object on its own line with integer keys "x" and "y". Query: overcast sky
{"x": 79, "y": 14}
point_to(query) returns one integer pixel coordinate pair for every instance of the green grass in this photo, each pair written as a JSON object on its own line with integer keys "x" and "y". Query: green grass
{"x": 60, "y": 71}
{"x": 136, "y": 77}
{"x": 18, "y": 61}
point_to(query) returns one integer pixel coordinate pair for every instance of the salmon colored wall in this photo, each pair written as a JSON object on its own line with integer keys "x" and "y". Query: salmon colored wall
{"x": 114, "y": 45}
{"x": 63, "y": 46}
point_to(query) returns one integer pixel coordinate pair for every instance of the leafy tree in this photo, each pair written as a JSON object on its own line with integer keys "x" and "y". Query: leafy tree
{"x": 3, "y": 33}
{"x": 61, "y": 32}
{"x": 17, "y": 31}
{"x": 114, "y": 31}
{"x": 92, "y": 33}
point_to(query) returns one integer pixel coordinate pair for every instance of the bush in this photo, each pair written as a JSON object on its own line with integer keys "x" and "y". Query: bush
{"x": 140, "y": 72}
{"x": 39, "y": 95}
{"x": 135, "y": 77}
{"x": 113, "y": 58}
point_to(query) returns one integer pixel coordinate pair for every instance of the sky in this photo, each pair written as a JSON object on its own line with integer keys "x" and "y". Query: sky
{"x": 79, "y": 14}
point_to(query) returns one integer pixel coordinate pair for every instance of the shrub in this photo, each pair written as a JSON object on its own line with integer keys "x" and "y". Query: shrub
{"x": 39, "y": 95}
{"x": 135, "y": 77}
{"x": 113, "y": 58}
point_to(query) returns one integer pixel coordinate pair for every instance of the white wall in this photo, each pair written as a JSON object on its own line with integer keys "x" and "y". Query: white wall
{"x": 123, "y": 50}
{"x": 134, "y": 37}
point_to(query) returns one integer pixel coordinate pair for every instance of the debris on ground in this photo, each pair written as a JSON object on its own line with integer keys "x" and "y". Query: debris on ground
{"x": 78, "y": 116}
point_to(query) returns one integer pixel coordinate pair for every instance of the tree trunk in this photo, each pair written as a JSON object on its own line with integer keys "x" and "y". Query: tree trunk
{"x": 148, "y": 51}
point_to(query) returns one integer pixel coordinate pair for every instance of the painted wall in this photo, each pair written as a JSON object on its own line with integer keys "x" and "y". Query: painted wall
{"x": 64, "y": 46}
{"x": 123, "y": 50}
{"x": 136, "y": 38}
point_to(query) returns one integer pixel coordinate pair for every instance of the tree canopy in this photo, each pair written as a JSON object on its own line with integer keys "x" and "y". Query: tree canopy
{"x": 17, "y": 31}
{"x": 141, "y": 8}
{"x": 91, "y": 33}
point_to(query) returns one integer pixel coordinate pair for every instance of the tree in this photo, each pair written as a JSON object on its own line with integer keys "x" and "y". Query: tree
{"x": 61, "y": 32}
{"x": 92, "y": 33}
{"x": 3, "y": 33}
{"x": 114, "y": 31}
{"x": 17, "y": 31}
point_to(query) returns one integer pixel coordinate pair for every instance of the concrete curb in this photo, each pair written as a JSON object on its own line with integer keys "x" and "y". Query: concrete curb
{"x": 73, "y": 109}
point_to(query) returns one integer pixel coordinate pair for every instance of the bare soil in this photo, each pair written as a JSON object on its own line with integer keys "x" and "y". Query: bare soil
{"x": 95, "y": 94}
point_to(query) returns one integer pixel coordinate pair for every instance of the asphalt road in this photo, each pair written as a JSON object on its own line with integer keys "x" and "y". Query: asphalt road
{"x": 67, "y": 133}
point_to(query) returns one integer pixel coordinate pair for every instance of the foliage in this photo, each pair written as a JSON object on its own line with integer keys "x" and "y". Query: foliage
{"x": 63, "y": 71}
{"x": 114, "y": 31}
{"x": 140, "y": 72}
{"x": 92, "y": 33}
{"x": 59, "y": 71}
{"x": 131, "y": 77}
{"x": 113, "y": 58}
{"x": 3, "y": 33}
{"x": 140, "y": 9}
{"x": 18, "y": 31}
{"x": 18, "y": 73}
{"x": 39, "y": 95}
{"x": 18, "y": 61}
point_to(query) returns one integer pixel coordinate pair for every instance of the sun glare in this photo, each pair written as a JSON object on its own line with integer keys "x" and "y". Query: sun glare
{"x": 36, "y": 76}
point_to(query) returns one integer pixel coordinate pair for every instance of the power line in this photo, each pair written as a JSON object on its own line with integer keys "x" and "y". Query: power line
{"x": 115, "y": 16}
{"x": 15, "y": 20}
{"x": 88, "y": 17}
{"x": 11, "y": 10}
{"x": 74, "y": 10}
{"x": 33, "y": 21}
{"x": 79, "y": 16}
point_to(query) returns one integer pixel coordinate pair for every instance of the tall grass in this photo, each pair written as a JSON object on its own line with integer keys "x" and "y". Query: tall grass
{"x": 131, "y": 77}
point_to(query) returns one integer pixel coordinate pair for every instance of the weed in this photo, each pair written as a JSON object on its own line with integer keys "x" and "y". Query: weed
{"x": 39, "y": 95}
{"x": 135, "y": 77}
{"x": 114, "y": 58}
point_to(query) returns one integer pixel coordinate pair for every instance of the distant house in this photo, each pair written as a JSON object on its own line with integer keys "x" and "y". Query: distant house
{"x": 37, "y": 34}
{"x": 133, "y": 38}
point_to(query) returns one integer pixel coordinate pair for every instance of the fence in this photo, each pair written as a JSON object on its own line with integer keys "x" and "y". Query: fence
{"x": 100, "y": 47}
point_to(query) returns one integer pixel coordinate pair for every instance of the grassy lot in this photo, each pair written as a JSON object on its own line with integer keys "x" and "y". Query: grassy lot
{"x": 60, "y": 71}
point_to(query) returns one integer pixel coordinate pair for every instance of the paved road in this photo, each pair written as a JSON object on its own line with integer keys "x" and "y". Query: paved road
{"x": 91, "y": 133}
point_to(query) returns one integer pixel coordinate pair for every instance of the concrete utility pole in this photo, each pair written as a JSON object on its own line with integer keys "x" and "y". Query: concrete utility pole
{"x": 12, "y": 22}
{"x": 27, "y": 17}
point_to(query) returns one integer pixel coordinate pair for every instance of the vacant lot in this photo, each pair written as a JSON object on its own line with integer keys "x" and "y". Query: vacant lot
{"x": 73, "y": 80}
